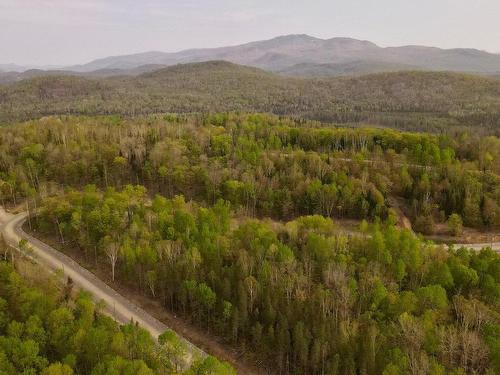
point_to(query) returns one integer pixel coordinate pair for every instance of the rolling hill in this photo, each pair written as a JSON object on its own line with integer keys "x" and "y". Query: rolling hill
{"x": 410, "y": 100}
{"x": 344, "y": 69}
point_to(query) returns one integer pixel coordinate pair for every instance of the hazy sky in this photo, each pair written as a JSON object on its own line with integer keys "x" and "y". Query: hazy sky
{"x": 61, "y": 32}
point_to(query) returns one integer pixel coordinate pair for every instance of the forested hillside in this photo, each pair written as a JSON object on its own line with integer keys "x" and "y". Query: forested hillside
{"x": 45, "y": 330}
{"x": 421, "y": 101}
{"x": 234, "y": 223}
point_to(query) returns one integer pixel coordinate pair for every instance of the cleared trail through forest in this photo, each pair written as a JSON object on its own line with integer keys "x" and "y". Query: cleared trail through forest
{"x": 117, "y": 306}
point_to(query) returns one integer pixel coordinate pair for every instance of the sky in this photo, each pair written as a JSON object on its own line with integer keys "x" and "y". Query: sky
{"x": 65, "y": 32}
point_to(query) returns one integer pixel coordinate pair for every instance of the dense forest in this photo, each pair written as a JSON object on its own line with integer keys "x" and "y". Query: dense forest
{"x": 300, "y": 294}
{"x": 265, "y": 166}
{"x": 423, "y": 101}
{"x": 234, "y": 222}
{"x": 46, "y": 330}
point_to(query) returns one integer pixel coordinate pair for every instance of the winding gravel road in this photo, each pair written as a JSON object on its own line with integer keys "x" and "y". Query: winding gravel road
{"x": 117, "y": 306}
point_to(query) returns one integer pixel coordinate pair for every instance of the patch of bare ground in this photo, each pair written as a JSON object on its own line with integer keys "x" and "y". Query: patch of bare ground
{"x": 442, "y": 234}
{"x": 242, "y": 361}
{"x": 397, "y": 204}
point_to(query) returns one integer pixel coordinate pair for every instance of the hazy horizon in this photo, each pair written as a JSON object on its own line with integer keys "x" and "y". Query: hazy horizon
{"x": 61, "y": 33}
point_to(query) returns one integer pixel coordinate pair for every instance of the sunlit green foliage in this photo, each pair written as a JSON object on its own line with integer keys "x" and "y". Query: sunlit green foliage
{"x": 266, "y": 166}
{"x": 42, "y": 331}
{"x": 301, "y": 295}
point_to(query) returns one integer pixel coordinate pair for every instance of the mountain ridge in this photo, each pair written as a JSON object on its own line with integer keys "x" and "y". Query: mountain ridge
{"x": 294, "y": 55}
{"x": 283, "y": 52}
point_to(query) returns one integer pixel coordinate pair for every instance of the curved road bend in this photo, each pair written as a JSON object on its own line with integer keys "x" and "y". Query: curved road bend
{"x": 117, "y": 306}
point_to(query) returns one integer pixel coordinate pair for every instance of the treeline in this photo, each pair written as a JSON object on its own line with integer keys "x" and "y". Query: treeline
{"x": 263, "y": 165}
{"x": 423, "y": 101}
{"x": 44, "y": 330}
{"x": 302, "y": 296}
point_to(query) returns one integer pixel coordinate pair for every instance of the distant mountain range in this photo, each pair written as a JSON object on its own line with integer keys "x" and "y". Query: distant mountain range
{"x": 12, "y": 68}
{"x": 295, "y": 51}
{"x": 12, "y": 76}
{"x": 295, "y": 55}
{"x": 15, "y": 68}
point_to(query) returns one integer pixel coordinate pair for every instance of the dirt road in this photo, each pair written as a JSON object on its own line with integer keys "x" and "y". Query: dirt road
{"x": 495, "y": 246}
{"x": 117, "y": 306}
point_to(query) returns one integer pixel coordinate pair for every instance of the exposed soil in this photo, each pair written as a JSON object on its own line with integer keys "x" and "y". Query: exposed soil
{"x": 442, "y": 233}
{"x": 206, "y": 341}
{"x": 469, "y": 236}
